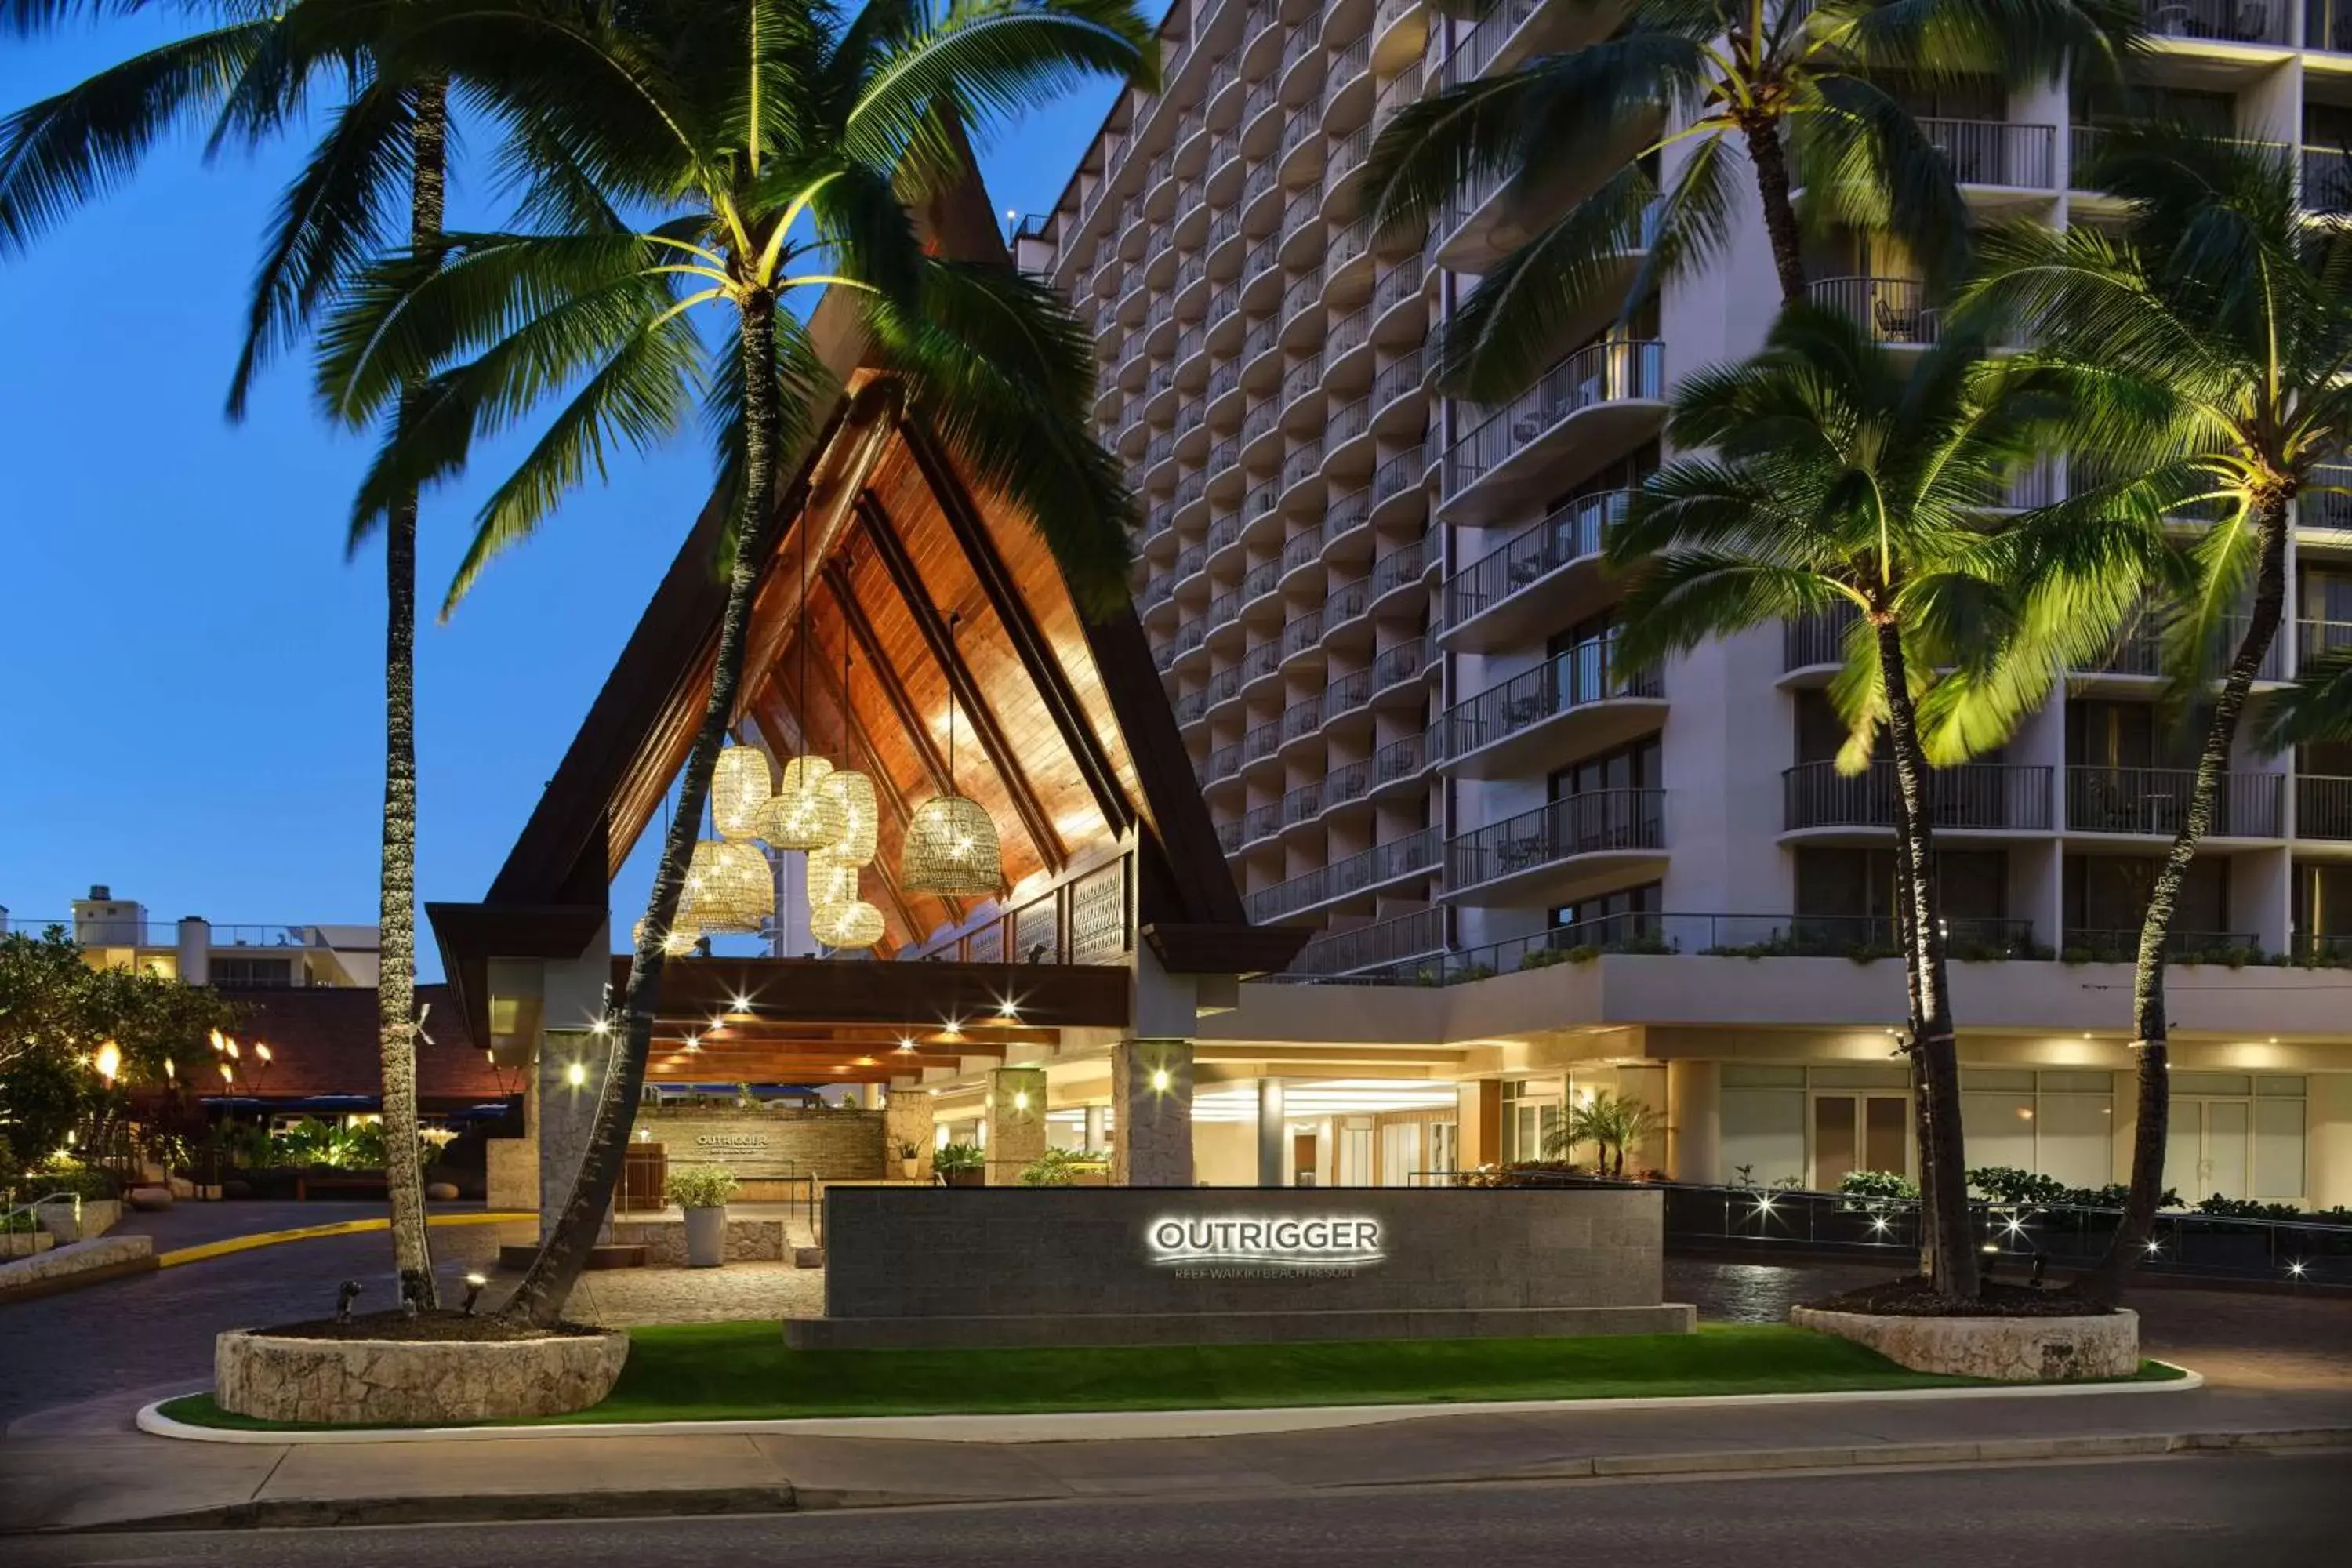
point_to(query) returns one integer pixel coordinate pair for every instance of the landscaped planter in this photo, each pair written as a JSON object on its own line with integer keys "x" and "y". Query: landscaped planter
{"x": 2013, "y": 1349}
{"x": 352, "y": 1381}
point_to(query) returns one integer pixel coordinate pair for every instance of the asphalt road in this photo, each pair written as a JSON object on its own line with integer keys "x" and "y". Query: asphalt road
{"x": 2188, "y": 1511}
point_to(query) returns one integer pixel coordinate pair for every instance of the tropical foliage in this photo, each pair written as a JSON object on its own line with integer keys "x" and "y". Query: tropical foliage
{"x": 59, "y": 1016}
{"x": 1611, "y": 1124}
{"x": 2205, "y": 348}
{"x": 733, "y": 159}
{"x": 1655, "y": 126}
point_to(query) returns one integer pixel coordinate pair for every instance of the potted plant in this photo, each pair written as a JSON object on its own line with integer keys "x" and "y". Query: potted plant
{"x": 702, "y": 1191}
{"x": 911, "y": 1160}
{"x": 961, "y": 1164}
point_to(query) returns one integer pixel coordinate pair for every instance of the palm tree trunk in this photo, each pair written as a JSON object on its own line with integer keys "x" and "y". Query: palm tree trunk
{"x": 2125, "y": 1254}
{"x": 539, "y": 1298}
{"x": 1771, "y": 161}
{"x": 396, "y": 1022}
{"x": 1943, "y": 1188}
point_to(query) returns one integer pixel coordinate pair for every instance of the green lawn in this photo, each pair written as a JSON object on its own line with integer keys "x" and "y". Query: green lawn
{"x": 714, "y": 1372}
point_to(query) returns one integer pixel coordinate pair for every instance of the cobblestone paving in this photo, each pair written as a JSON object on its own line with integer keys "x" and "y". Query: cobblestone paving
{"x": 623, "y": 1297}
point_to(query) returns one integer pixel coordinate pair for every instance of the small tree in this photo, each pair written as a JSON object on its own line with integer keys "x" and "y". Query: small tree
{"x": 1611, "y": 1124}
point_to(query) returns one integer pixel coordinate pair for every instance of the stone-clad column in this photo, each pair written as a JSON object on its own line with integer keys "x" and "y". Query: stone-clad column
{"x": 1016, "y": 1123}
{"x": 1151, "y": 1113}
{"x": 1273, "y": 1135}
{"x": 907, "y": 1119}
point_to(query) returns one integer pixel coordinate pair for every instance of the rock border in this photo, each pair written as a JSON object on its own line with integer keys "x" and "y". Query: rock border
{"x": 2007, "y": 1350}
{"x": 347, "y": 1383}
{"x": 74, "y": 1263}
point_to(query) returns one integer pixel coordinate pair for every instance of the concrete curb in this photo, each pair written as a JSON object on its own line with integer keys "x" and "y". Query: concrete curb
{"x": 1089, "y": 1426}
{"x": 228, "y": 1245}
{"x": 686, "y": 1502}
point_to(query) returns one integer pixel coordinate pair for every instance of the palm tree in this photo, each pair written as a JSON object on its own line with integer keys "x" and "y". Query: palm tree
{"x": 379, "y": 171}
{"x": 2209, "y": 344}
{"x": 1715, "y": 84}
{"x": 1848, "y": 479}
{"x": 1610, "y": 1124}
{"x": 767, "y": 145}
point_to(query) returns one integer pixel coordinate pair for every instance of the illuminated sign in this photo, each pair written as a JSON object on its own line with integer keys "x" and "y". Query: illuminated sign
{"x": 1279, "y": 1245}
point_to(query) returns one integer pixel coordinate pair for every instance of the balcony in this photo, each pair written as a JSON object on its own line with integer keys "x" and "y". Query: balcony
{"x": 2316, "y": 639}
{"x": 1533, "y": 578}
{"x": 2137, "y": 657}
{"x": 1541, "y": 856}
{"x": 1470, "y": 57}
{"x": 2326, "y": 510}
{"x": 2121, "y": 946}
{"x": 1604, "y": 400}
{"x": 1976, "y": 797}
{"x": 1571, "y": 704}
{"x": 2220, "y": 21}
{"x": 2154, "y": 803}
{"x": 1383, "y": 865}
{"x": 2327, "y": 180}
{"x": 2323, "y": 807}
{"x": 1815, "y": 643}
{"x": 1894, "y": 311}
{"x": 1996, "y": 152}
{"x": 1416, "y": 935}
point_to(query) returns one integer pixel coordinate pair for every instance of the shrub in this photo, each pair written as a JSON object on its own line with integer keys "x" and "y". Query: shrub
{"x": 1877, "y": 1185}
{"x": 700, "y": 1186}
{"x": 951, "y": 1158}
{"x": 1056, "y": 1168}
{"x": 1545, "y": 957}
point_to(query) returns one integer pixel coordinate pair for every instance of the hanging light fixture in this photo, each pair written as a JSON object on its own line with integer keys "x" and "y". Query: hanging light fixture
{"x": 837, "y": 916}
{"x": 730, "y": 887}
{"x": 739, "y": 789}
{"x": 802, "y": 816}
{"x": 678, "y": 943}
{"x": 952, "y": 845}
{"x": 852, "y": 792}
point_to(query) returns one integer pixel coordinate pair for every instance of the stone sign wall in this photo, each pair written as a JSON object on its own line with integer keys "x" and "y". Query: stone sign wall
{"x": 768, "y": 1145}
{"x": 911, "y": 1266}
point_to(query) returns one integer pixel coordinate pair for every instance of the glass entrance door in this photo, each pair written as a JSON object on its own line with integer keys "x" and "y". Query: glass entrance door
{"x": 1859, "y": 1132}
{"x": 2208, "y": 1148}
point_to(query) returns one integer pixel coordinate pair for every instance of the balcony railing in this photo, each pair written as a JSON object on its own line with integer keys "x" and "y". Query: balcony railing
{"x": 2155, "y": 801}
{"x": 2224, "y": 21}
{"x": 1603, "y": 820}
{"x": 1367, "y": 946}
{"x": 1644, "y": 933}
{"x": 1975, "y": 796}
{"x": 1574, "y": 532}
{"x": 1409, "y": 856}
{"x": 1584, "y": 675}
{"x": 2323, "y": 807}
{"x": 1471, "y": 56}
{"x": 1892, "y": 309}
{"x": 2327, "y": 179}
{"x": 1816, "y": 640}
{"x": 1604, "y": 372}
{"x": 2316, "y": 639}
{"x": 2121, "y": 946}
{"x": 1995, "y": 153}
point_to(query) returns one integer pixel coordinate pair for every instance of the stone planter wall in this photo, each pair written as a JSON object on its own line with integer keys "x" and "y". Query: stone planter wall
{"x": 379, "y": 1381}
{"x": 25, "y": 1243}
{"x": 748, "y": 1240}
{"x": 2013, "y": 1349}
{"x": 102, "y": 1259}
{"x": 98, "y": 1216}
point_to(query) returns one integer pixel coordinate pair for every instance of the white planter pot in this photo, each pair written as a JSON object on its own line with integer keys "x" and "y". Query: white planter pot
{"x": 705, "y": 1237}
{"x": 909, "y": 1168}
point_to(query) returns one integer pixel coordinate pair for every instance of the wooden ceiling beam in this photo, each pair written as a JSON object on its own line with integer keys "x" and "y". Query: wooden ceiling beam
{"x": 938, "y": 637}
{"x": 1020, "y": 623}
{"x": 886, "y": 676}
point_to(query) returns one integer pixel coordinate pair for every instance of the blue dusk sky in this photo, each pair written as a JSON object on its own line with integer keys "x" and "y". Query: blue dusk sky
{"x": 192, "y": 709}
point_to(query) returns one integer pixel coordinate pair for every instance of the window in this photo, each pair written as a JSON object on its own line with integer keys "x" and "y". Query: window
{"x": 1859, "y": 884}
{"x": 1612, "y": 917}
{"x": 1631, "y": 766}
{"x": 252, "y": 971}
{"x": 2112, "y": 735}
{"x": 2107, "y": 895}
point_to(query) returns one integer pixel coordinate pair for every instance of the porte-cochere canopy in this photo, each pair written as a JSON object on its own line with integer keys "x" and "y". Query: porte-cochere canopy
{"x": 942, "y": 601}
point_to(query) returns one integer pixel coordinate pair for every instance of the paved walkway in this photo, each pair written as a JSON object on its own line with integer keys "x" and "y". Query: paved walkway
{"x": 116, "y": 1481}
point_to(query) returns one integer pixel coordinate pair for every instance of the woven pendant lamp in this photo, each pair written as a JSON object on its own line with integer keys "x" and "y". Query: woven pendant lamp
{"x": 852, "y": 925}
{"x": 854, "y": 792}
{"x": 800, "y": 815}
{"x": 729, "y": 887}
{"x": 837, "y": 916}
{"x": 951, "y": 845}
{"x": 740, "y": 786}
{"x": 681, "y": 940}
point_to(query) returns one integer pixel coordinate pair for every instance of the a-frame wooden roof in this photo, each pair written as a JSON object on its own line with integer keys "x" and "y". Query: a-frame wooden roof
{"x": 1061, "y": 729}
